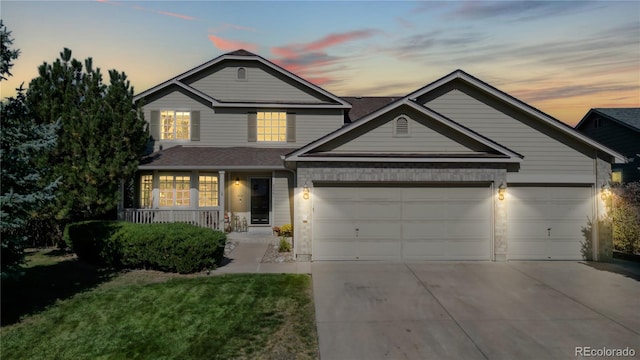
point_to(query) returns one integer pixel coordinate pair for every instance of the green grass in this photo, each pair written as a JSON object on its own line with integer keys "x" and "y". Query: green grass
{"x": 151, "y": 315}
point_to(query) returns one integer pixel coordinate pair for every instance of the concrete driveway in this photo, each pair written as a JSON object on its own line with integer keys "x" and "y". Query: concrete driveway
{"x": 473, "y": 310}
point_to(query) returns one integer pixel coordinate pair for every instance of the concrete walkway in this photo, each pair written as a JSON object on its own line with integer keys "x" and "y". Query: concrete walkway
{"x": 246, "y": 257}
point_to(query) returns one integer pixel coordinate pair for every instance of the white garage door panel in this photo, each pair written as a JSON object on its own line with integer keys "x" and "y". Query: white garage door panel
{"x": 436, "y": 223}
{"x": 546, "y": 222}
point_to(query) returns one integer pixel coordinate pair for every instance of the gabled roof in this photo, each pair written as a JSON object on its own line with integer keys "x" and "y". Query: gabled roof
{"x": 526, "y": 108}
{"x": 362, "y": 106}
{"x": 504, "y": 154}
{"x": 210, "y": 158}
{"x": 243, "y": 55}
{"x": 629, "y": 117}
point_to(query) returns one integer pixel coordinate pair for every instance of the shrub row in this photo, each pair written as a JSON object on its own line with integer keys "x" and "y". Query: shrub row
{"x": 171, "y": 247}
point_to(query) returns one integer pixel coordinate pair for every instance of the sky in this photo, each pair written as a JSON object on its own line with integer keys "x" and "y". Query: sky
{"x": 562, "y": 57}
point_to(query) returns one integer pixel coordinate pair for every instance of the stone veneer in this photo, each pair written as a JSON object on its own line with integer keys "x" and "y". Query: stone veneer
{"x": 308, "y": 173}
{"x": 603, "y": 251}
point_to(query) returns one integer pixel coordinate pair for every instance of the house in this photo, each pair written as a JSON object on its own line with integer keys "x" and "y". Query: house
{"x": 618, "y": 129}
{"x": 456, "y": 170}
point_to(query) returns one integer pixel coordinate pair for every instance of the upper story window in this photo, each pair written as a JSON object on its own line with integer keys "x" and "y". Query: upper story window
{"x": 616, "y": 177}
{"x": 598, "y": 123}
{"x": 271, "y": 126}
{"x": 174, "y": 125}
{"x": 241, "y": 74}
{"x": 401, "y": 127}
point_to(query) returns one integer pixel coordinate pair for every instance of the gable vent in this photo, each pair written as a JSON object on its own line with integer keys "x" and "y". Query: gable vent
{"x": 402, "y": 126}
{"x": 242, "y": 74}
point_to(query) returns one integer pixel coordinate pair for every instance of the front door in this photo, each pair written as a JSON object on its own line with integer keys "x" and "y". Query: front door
{"x": 260, "y": 198}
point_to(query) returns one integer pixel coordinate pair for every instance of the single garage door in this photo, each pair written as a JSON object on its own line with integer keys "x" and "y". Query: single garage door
{"x": 391, "y": 223}
{"x": 545, "y": 223}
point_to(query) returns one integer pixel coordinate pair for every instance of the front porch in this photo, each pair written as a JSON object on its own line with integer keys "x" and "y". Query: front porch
{"x": 203, "y": 218}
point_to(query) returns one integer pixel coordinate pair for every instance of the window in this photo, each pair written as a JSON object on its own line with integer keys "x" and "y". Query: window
{"x": 207, "y": 190}
{"x": 174, "y": 190}
{"x": 146, "y": 191}
{"x": 272, "y": 126}
{"x": 242, "y": 74}
{"x": 401, "y": 128}
{"x": 616, "y": 177}
{"x": 174, "y": 125}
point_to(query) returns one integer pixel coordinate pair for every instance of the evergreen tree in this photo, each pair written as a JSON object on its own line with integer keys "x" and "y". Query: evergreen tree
{"x": 101, "y": 137}
{"x": 6, "y": 54}
{"x": 23, "y": 144}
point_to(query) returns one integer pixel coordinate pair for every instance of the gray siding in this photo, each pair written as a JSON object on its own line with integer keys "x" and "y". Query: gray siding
{"x": 261, "y": 84}
{"x": 282, "y": 196}
{"x": 619, "y": 138}
{"x": 543, "y": 154}
{"x": 426, "y": 135}
{"x": 421, "y": 139}
{"x": 229, "y": 126}
{"x": 176, "y": 100}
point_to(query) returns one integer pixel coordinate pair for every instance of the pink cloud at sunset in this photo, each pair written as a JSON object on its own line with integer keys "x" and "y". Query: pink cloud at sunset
{"x": 309, "y": 59}
{"x": 230, "y": 45}
{"x": 141, "y": 8}
{"x": 179, "y": 16}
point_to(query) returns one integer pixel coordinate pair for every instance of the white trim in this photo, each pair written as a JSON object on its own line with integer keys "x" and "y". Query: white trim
{"x": 206, "y": 167}
{"x": 515, "y": 178}
{"x": 425, "y": 159}
{"x": 459, "y": 74}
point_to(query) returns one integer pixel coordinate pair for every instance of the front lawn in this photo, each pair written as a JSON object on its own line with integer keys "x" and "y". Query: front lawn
{"x": 149, "y": 315}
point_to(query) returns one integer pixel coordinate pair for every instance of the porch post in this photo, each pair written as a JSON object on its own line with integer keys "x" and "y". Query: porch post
{"x": 221, "y": 188}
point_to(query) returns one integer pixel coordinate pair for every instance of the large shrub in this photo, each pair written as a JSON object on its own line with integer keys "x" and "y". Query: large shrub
{"x": 172, "y": 247}
{"x": 625, "y": 214}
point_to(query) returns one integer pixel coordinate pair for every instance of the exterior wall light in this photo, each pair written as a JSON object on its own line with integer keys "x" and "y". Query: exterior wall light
{"x": 305, "y": 192}
{"x": 605, "y": 191}
{"x": 501, "y": 190}
{"x": 237, "y": 181}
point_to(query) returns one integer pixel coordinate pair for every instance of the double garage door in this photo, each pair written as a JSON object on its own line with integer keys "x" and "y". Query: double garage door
{"x": 447, "y": 222}
{"x": 390, "y": 223}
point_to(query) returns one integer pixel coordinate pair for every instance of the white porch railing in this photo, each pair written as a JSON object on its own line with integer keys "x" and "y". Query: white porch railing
{"x": 203, "y": 218}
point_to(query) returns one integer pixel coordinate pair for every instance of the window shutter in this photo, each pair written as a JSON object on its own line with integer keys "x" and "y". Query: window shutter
{"x": 195, "y": 126}
{"x": 291, "y": 127}
{"x": 154, "y": 125}
{"x": 252, "y": 125}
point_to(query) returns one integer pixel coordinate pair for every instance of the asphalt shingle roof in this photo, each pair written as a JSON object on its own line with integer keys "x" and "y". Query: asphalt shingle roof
{"x": 628, "y": 116}
{"x": 216, "y": 157}
{"x": 363, "y": 106}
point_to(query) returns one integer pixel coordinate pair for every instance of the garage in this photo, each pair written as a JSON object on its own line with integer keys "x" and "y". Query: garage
{"x": 546, "y": 222}
{"x": 362, "y": 222}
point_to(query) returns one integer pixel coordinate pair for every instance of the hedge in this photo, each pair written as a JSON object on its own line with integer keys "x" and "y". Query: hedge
{"x": 171, "y": 247}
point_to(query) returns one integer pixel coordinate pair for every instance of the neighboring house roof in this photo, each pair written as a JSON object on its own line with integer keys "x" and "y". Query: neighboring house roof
{"x": 362, "y": 106}
{"x": 242, "y": 54}
{"x": 526, "y": 108}
{"x": 194, "y": 157}
{"x": 503, "y": 153}
{"x": 629, "y": 117}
